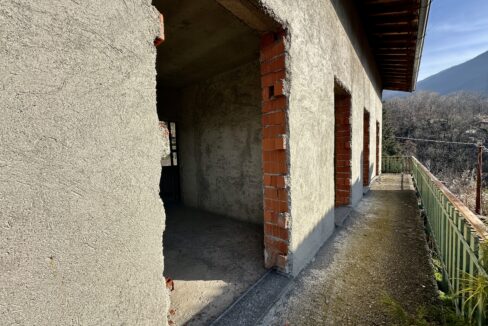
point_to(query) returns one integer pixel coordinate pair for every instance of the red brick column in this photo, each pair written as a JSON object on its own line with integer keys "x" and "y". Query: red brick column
{"x": 275, "y": 162}
{"x": 342, "y": 151}
{"x": 366, "y": 148}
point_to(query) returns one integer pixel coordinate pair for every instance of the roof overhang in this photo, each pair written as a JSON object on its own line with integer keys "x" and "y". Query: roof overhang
{"x": 396, "y": 32}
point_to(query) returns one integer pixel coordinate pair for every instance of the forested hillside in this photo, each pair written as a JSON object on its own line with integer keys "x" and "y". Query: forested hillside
{"x": 460, "y": 117}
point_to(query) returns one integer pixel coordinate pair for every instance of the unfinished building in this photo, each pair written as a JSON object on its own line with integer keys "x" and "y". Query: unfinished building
{"x": 272, "y": 115}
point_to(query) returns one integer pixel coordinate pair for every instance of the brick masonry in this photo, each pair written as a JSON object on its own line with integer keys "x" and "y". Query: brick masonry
{"x": 366, "y": 139}
{"x": 342, "y": 150}
{"x": 275, "y": 154}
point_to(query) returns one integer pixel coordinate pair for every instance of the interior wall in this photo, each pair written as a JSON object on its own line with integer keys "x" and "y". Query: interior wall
{"x": 220, "y": 144}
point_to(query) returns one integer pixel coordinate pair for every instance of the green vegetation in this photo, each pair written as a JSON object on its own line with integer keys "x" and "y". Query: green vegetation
{"x": 475, "y": 287}
{"x": 459, "y": 117}
{"x": 390, "y": 146}
{"x": 441, "y": 314}
{"x": 474, "y": 292}
{"x": 401, "y": 316}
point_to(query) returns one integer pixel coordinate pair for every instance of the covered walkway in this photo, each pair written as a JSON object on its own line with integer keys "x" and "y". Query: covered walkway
{"x": 379, "y": 251}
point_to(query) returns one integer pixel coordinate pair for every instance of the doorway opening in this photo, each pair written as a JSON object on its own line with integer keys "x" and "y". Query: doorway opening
{"x": 342, "y": 149}
{"x": 378, "y": 135}
{"x": 366, "y": 139}
{"x": 210, "y": 97}
{"x": 169, "y": 186}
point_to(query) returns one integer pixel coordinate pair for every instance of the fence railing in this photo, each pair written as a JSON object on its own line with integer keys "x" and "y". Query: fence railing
{"x": 396, "y": 164}
{"x": 457, "y": 233}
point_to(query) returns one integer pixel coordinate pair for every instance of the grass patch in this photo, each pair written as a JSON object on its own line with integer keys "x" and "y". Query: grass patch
{"x": 442, "y": 314}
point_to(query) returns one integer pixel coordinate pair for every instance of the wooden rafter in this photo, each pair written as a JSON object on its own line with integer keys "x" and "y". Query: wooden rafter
{"x": 392, "y": 27}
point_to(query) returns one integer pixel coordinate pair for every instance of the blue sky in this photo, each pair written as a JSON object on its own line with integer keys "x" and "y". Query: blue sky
{"x": 457, "y": 31}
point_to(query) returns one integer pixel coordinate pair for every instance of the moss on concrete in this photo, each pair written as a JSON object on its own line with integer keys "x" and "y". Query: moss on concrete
{"x": 381, "y": 252}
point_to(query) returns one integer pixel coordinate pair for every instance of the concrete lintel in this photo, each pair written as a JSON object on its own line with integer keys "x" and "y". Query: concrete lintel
{"x": 250, "y": 14}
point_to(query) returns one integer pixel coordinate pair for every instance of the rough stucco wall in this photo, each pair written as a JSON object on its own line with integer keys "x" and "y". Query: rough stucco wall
{"x": 325, "y": 41}
{"x": 220, "y": 144}
{"x": 80, "y": 215}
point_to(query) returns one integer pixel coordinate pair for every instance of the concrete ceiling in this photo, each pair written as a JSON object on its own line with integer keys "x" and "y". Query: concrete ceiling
{"x": 203, "y": 39}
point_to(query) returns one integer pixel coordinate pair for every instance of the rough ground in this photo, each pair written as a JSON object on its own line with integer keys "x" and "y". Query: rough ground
{"x": 380, "y": 250}
{"x": 212, "y": 260}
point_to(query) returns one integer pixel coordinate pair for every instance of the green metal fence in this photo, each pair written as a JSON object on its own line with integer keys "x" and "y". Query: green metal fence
{"x": 396, "y": 164}
{"x": 457, "y": 233}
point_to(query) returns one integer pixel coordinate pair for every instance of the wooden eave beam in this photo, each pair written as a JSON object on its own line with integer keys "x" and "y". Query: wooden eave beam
{"x": 394, "y": 48}
{"x": 392, "y": 7}
{"x": 382, "y": 2}
{"x": 396, "y": 82}
{"x": 396, "y": 74}
{"x": 395, "y": 88}
{"x": 395, "y": 43}
{"x": 391, "y": 81}
{"x": 392, "y": 29}
{"x": 394, "y": 60}
{"x": 394, "y": 71}
{"x": 402, "y": 19}
{"x": 393, "y": 64}
{"x": 386, "y": 56}
{"x": 393, "y": 37}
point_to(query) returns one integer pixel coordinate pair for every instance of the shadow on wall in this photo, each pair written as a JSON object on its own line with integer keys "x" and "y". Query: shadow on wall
{"x": 317, "y": 236}
{"x": 405, "y": 186}
{"x": 372, "y": 172}
{"x": 352, "y": 24}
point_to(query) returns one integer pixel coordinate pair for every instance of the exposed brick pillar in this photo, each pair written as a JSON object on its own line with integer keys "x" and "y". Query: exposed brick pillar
{"x": 377, "y": 148}
{"x": 275, "y": 168}
{"x": 366, "y": 148}
{"x": 342, "y": 150}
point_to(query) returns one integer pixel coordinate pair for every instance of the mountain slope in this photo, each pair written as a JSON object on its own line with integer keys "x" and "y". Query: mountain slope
{"x": 471, "y": 76}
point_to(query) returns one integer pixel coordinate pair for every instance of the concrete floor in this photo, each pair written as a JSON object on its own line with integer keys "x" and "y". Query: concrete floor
{"x": 212, "y": 260}
{"x": 379, "y": 251}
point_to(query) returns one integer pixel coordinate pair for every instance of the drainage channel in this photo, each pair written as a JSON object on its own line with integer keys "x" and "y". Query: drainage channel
{"x": 253, "y": 304}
